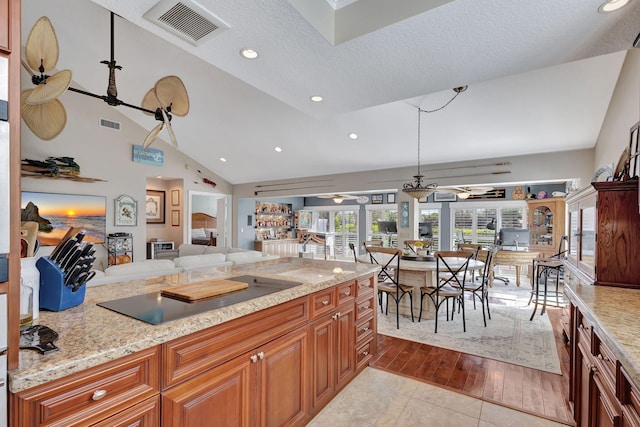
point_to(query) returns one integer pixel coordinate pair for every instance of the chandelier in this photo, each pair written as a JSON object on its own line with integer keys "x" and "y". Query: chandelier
{"x": 417, "y": 189}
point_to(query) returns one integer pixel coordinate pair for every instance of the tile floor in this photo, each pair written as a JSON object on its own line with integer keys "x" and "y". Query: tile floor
{"x": 379, "y": 398}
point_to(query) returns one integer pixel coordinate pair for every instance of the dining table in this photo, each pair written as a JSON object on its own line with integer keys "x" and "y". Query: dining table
{"x": 517, "y": 259}
{"x": 419, "y": 271}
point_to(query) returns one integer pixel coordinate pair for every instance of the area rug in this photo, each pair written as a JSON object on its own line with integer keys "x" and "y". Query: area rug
{"x": 509, "y": 336}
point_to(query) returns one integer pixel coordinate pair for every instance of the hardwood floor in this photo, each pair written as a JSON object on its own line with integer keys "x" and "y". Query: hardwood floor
{"x": 536, "y": 392}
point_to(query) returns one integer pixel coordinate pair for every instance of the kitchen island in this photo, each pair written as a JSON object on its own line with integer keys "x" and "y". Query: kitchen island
{"x": 304, "y": 342}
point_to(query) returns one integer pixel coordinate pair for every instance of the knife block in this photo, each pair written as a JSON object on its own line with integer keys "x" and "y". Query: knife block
{"x": 54, "y": 295}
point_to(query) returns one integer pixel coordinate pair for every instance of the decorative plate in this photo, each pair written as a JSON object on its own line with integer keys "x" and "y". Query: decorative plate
{"x": 518, "y": 193}
{"x": 602, "y": 174}
{"x": 623, "y": 164}
{"x": 542, "y": 195}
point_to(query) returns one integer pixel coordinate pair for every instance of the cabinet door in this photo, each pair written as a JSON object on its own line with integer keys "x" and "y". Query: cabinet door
{"x": 220, "y": 396}
{"x": 283, "y": 380}
{"x": 323, "y": 377}
{"x": 345, "y": 348}
{"x": 583, "y": 387}
{"x": 606, "y": 410}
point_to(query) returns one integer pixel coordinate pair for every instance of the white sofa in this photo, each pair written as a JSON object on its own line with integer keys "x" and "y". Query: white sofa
{"x": 187, "y": 257}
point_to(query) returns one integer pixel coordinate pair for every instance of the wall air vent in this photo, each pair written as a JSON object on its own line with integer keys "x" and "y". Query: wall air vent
{"x": 109, "y": 124}
{"x": 186, "y": 20}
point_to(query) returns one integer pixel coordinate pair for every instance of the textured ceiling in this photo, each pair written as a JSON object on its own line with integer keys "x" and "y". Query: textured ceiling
{"x": 530, "y": 87}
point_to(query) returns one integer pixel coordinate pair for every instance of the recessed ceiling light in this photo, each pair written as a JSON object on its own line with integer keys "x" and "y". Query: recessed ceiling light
{"x": 278, "y": 149}
{"x": 222, "y": 159}
{"x": 353, "y": 135}
{"x": 316, "y": 98}
{"x": 159, "y": 177}
{"x": 249, "y": 53}
{"x": 612, "y": 5}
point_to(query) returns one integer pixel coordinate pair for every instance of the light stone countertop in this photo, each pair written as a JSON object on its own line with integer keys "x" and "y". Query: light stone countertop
{"x": 90, "y": 335}
{"x": 614, "y": 314}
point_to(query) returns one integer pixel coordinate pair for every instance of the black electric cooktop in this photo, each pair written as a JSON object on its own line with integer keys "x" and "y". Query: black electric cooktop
{"x": 156, "y": 309}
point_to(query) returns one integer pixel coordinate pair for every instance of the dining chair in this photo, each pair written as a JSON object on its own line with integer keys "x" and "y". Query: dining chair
{"x": 479, "y": 288}
{"x": 353, "y": 250}
{"x": 389, "y": 279}
{"x": 373, "y": 243}
{"x": 450, "y": 281}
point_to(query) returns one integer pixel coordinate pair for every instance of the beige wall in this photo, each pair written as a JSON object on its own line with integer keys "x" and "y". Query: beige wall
{"x": 106, "y": 154}
{"x": 623, "y": 112}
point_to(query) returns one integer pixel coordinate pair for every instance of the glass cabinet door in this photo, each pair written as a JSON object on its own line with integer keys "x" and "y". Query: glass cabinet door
{"x": 542, "y": 226}
{"x": 574, "y": 230}
{"x": 588, "y": 236}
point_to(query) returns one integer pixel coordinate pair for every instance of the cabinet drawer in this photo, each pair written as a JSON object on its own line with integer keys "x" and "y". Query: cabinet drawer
{"x": 144, "y": 414}
{"x": 193, "y": 354}
{"x": 606, "y": 362}
{"x": 585, "y": 330}
{"x": 364, "y": 328}
{"x": 323, "y": 302}
{"x": 89, "y": 396}
{"x": 364, "y": 308}
{"x": 629, "y": 394}
{"x": 364, "y": 286}
{"x": 346, "y": 292}
{"x": 364, "y": 353}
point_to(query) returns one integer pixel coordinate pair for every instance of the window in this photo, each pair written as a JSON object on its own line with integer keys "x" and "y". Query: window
{"x": 377, "y": 213}
{"x": 431, "y": 214}
{"x": 343, "y": 222}
{"x": 469, "y": 220}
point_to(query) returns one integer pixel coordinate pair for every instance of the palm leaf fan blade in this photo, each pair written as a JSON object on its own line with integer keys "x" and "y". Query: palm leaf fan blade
{"x": 170, "y": 91}
{"x": 150, "y": 102}
{"x": 42, "y": 46}
{"x": 56, "y": 85}
{"x": 152, "y": 135}
{"x": 169, "y": 129}
{"x": 46, "y": 121}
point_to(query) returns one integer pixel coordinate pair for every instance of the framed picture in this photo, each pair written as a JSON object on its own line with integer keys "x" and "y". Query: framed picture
{"x": 154, "y": 207}
{"x": 391, "y": 198}
{"x": 444, "y": 197}
{"x": 175, "y": 197}
{"x": 175, "y": 218}
{"x": 126, "y": 211}
{"x": 404, "y": 214}
{"x": 376, "y": 199}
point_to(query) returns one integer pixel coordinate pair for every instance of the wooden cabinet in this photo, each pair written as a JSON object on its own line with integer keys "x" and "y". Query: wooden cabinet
{"x": 274, "y": 367}
{"x": 546, "y": 224}
{"x": 281, "y": 247}
{"x": 266, "y": 386}
{"x": 602, "y": 392}
{"x": 604, "y": 237}
{"x": 92, "y": 396}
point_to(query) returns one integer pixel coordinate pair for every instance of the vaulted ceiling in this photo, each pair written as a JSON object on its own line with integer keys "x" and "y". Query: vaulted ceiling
{"x": 540, "y": 76}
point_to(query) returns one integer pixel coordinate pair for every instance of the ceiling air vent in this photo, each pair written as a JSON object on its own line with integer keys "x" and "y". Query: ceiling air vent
{"x": 186, "y": 20}
{"x": 109, "y": 124}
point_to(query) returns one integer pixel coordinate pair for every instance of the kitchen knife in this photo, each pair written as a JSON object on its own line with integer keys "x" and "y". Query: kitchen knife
{"x": 71, "y": 260}
{"x": 63, "y": 251}
{"x": 82, "y": 279}
{"x": 70, "y": 252}
{"x": 69, "y": 278}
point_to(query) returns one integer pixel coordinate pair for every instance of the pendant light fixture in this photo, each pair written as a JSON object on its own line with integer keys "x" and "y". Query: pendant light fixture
{"x": 417, "y": 189}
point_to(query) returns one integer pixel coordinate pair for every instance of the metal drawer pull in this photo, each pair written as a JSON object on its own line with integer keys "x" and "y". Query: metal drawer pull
{"x": 365, "y": 329}
{"x": 261, "y": 355}
{"x": 601, "y": 357}
{"x": 99, "y": 394}
{"x": 347, "y": 292}
{"x": 366, "y": 353}
{"x": 254, "y": 358}
{"x": 325, "y": 302}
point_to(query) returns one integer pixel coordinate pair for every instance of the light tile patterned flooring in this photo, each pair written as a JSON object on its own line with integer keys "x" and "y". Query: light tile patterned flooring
{"x": 379, "y": 398}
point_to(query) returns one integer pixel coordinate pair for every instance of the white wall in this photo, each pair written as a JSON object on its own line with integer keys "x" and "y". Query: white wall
{"x": 107, "y": 154}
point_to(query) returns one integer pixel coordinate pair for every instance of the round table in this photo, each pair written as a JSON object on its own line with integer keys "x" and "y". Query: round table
{"x": 417, "y": 274}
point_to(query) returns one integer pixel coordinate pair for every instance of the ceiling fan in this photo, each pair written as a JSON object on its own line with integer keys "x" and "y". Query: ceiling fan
{"x": 45, "y": 115}
{"x": 338, "y": 198}
{"x": 466, "y": 192}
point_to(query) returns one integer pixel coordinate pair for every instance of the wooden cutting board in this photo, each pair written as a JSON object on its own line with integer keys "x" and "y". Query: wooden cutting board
{"x": 205, "y": 289}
